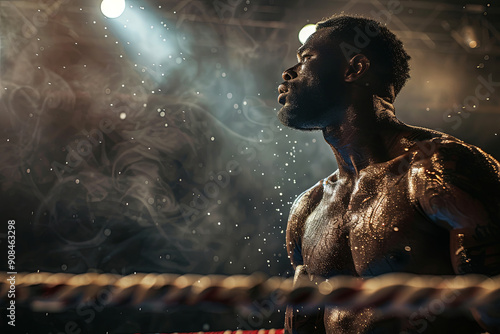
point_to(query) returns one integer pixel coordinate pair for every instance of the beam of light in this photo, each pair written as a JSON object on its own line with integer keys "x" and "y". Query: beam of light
{"x": 148, "y": 41}
{"x": 306, "y": 31}
{"x": 112, "y": 8}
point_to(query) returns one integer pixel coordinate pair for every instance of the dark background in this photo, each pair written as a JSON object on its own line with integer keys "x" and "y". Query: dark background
{"x": 115, "y": 131}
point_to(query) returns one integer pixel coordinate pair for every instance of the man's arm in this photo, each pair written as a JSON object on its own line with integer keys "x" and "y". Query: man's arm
{"x": 458, "y": 188}
{"x": 297, "y": 319}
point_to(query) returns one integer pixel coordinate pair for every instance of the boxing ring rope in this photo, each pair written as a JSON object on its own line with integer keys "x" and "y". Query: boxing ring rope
{"x": 395, "y": 292}
{"x": 240, "y": 331}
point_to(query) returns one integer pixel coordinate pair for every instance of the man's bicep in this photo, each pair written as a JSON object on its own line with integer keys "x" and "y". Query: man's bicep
{"x": 474, "y": 225}
{"x": 458, "y": 188}
{"x": 473, "y": 222}
{"x": 453, "y": 208}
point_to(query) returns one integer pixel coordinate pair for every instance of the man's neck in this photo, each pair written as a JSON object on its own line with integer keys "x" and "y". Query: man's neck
{"x": 368, "y": 134}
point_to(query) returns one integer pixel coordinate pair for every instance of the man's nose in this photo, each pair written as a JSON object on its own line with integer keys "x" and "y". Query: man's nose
{"x": 289, "y": 74}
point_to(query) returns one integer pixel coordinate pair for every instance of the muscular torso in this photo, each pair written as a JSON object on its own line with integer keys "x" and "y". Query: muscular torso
{"x": 370, "y": 225}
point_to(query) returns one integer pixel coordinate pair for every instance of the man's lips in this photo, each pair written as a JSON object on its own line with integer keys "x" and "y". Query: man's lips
{"x": 283, "y": 90}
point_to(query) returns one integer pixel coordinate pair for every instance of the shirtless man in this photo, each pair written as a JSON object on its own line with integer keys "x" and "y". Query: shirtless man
{"x": 404, "y": 198}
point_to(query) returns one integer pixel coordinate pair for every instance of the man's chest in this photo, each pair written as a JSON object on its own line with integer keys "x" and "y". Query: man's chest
{"x": 369, "y": 229}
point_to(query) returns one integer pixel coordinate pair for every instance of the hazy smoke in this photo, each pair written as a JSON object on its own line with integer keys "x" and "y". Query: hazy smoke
{"x": 125, "y": 164}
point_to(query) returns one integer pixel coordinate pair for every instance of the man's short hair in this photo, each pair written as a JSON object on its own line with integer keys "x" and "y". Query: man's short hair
{"x": 385, "y": 51}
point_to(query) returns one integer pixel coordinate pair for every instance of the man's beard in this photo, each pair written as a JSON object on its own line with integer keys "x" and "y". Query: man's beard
{"x": 307, "y": 111}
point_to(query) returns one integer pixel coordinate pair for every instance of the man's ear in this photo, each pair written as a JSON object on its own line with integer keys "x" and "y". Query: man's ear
{"x": 357, "y": 68}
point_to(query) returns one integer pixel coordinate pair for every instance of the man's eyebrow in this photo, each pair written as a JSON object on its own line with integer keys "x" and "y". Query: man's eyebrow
{"x": 301, "y": 50}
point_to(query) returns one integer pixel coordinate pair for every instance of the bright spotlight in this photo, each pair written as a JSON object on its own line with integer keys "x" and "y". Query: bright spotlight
{"x": 470, "y": 37}
{"x": 473, "y": 44}
{"x": 112, "y": 8}
{"x": 306, "y": 31}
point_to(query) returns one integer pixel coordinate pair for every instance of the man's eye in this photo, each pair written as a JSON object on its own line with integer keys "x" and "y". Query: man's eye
{"x": 306, "y": 57}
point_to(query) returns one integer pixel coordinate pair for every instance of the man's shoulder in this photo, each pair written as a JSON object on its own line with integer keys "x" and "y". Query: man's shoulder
{"x": 308, "y": 197}
{"x": 456, "y": 161}
{"x": 308, "y": 200}
{"x": 449, "y": 153}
